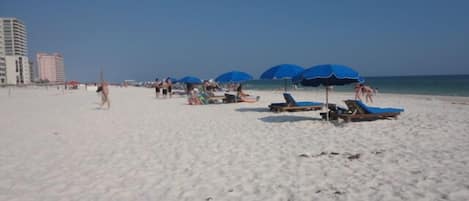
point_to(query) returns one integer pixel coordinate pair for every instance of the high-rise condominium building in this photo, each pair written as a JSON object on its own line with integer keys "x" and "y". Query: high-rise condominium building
{"x": 14, "y": 65}
{"x": 14, "y": 37}
{"x": 51, "y": 67}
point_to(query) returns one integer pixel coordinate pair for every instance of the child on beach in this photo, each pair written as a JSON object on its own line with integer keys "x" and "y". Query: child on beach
{"x": 105, "y": 95}
{"x": 358, "y": 91}
{"x": 364, "y": 90}
{"x": 194, "y": 97}
{"x": 368, "y": 91}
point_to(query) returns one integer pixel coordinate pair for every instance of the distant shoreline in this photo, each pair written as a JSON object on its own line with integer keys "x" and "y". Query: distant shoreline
{"x": 442, "y": 85}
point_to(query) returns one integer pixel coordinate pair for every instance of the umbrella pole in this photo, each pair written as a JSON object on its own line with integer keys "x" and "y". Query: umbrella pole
{"x": 101, "y": 75}
{"x": 327, "y": 103}
{"x": 285, "y": 82}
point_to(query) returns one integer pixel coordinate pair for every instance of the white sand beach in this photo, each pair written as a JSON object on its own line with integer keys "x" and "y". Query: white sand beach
{"x": 60, "y": 146}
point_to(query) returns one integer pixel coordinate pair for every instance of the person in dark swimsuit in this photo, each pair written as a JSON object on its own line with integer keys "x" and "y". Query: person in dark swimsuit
{"x": 170, "y": 87}
{"x": 165, "y": 89}
{"x": 157, "y": 88}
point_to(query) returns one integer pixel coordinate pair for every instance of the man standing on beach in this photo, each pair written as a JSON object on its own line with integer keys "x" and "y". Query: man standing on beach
{"x": 170, "y": 87}
{"x": 157, "y": 87}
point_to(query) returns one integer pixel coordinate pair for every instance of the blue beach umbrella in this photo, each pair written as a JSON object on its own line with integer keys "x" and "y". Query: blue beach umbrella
{"x": 173, "y": 80}
{"x": 282, "y": 71}
{"x": 190, "y": 80}
{"x": 361, "y": 80}
{"x": 233, "y": 76}
{"x": 328, "y": 75}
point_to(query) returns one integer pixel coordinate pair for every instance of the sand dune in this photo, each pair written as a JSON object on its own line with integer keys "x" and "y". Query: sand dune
{"x": 58, "y": 145}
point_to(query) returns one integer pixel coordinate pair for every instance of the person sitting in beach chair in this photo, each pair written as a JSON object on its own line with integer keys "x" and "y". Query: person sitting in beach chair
{"x": 240, "y": 97}
{"x": 249, "y": 99}
{"x": 194, "y": 97}
{"x": 358, "y": 111}
{"x": 244, "y": 97}
{"x": 209, "y": 91}
{"x": 230, "y": 98}
{"x": 240, "y": 92}
{"x": 210, "y": 98}
{"x": 291, "y": 105}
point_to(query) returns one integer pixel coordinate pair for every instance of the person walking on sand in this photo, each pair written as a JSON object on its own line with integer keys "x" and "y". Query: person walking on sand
{"x": 164, "y": 86}
{"x": 157, "y": 87}
{"x": 170, "y": 87}
{"x": 358, "y": 91}
{"x": 368, "y": 91}
{"x": 105, "y": 95}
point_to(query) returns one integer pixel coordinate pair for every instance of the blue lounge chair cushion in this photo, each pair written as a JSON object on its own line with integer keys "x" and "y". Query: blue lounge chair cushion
{"x": 291, "y": 101}
{"x": 378, "y": 110}
{"x": 307, "y": 103}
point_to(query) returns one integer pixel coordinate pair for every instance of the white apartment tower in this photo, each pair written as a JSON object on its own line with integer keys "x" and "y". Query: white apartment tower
{"x": 14, "y": 62}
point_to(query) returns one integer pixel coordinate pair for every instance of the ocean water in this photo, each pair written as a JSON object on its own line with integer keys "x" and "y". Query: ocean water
{"x": 447, "y": 85}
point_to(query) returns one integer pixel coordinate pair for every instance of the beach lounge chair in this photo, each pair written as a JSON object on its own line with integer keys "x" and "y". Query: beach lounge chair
{"x": 230, "y": 98}
{"x": 207, "y": 99}
{"x": 291, "y": 105}
{"x": 358, "y": 111}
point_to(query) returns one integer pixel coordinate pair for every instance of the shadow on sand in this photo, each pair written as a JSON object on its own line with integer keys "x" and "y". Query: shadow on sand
{"x": 253, "y": 109}
{"x": 286, "y": 118}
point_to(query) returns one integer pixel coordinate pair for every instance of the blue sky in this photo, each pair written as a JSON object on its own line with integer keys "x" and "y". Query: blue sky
{"x": 147, "y": 39}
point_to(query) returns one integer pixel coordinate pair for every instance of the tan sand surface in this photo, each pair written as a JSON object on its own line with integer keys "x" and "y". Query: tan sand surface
{"x": 58, "y": 145}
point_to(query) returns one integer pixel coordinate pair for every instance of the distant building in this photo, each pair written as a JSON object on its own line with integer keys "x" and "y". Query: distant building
{"x": 14, "y": 65}
{"x": 51, "y": 67}
{"x": 33, "y": 71}
{"x": 17, "y": 70}
{"x": 13, "y": 35}
{"x": 3, "y": 70}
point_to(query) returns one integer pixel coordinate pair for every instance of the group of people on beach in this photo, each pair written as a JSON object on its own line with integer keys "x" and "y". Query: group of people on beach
{"x": 164, "y": 87}
{"x": 364, "y": 90}
{"x": 209, "y": 88}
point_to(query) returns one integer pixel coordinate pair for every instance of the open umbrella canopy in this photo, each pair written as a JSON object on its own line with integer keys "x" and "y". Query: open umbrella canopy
{"x": 282, "y": 71}
{"x": 190, "y": 80}
{"x": 328, "y": 75}
{"x": 172, "y": 79}
{"x": 233, "y": 76}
